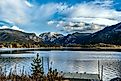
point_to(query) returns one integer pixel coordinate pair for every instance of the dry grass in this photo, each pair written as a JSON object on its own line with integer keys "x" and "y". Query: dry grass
{"x": 14, "y": 76}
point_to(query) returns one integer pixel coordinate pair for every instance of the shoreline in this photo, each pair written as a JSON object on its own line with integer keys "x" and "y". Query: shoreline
{"x": 26, "y": 50}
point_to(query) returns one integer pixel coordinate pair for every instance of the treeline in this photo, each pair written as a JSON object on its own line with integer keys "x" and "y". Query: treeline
{"x": 39, "y": 45}
{"x": 25, "y": 45}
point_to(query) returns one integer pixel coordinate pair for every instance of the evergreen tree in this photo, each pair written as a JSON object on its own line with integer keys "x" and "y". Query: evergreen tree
{"x": 37, "y": 68}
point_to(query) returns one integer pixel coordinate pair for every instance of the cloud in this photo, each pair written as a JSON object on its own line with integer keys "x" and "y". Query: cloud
{"x": 50, "y": 22}
{"x": 28, "y": 16}
{"x": 78, "y": 26}
{"x": 28, "y": 4}
{"x": 98, "y": 14}
{"x": 13, "y": 27}
{"x": 93, "y": 10}
{"x": 4, "y": 27}
{"x": 96, "y": 20}
{"x": 17, "y": 28}
{"x": 104, "y": 21}
{"x": 14, "y": 10}
{"x": 46, "y": 17}
{"x": 23, "y": 12}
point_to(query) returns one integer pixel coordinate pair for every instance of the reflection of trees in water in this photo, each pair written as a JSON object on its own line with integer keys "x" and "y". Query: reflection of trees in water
{"x": 11, "y": 62}
{"x": 112, "y": 69}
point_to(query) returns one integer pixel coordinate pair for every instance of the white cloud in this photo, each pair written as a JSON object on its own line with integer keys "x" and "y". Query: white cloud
{"x": 98, "y": 12}
{"x": 13, "y": 27}
{"x": 17, "y": 28}
{"x": 103, "y": 21}
{"x": 70, "y": 26}
{"x": 14, "y": 10}
{"x": 28, "y": 4}
{"x": 26, "y": 14}
{"x": 89, "y": 10}
{"x": 50, "y": 22}
{"x": 23, "y": 12}
{"x": 4, "y": 27}
{"x": 100, "y": 21}
{"x": 103, "y": 3}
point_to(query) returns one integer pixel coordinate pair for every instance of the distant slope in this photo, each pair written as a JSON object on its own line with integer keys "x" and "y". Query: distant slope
{"x": 56, "y": 38}
{"x": 50, "y": 37}
{"x": 74, "y": 38}
{"x": 10, "y": 35}
{"x": 109, "y": 35}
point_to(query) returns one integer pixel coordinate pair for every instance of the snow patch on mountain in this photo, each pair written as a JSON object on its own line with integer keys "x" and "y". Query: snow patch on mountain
{"x": 50, "y": 36}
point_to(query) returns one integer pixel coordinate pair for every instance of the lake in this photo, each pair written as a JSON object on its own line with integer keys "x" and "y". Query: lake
{"x": 68, "y": 61}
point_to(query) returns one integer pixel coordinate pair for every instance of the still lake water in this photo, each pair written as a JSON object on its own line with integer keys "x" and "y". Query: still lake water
{"x": 68, "y": 61}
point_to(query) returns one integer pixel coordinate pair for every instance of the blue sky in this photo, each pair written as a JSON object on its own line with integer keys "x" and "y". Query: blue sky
{"x": 63, "y": 16}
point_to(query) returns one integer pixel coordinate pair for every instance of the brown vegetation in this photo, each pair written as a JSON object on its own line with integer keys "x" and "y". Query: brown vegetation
{"x": 37, "y": 73}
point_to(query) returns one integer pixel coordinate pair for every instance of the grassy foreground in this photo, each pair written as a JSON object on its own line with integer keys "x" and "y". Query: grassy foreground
{"x": 36, "y": 75}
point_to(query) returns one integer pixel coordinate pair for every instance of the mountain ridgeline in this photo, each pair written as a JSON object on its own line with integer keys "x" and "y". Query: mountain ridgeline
{"x": 50, "y": 37}
{"x": 9, "y": 35}
{"x": 108, "y": 35}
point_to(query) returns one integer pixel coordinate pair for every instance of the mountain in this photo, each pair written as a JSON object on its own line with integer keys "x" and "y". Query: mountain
{"x": 10, "y": 35}
{"x": 109, "y": 35}
{"x": 74, "y": 38}
{"x": 55, "y": 38}
{"x": 50, "y": 37}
